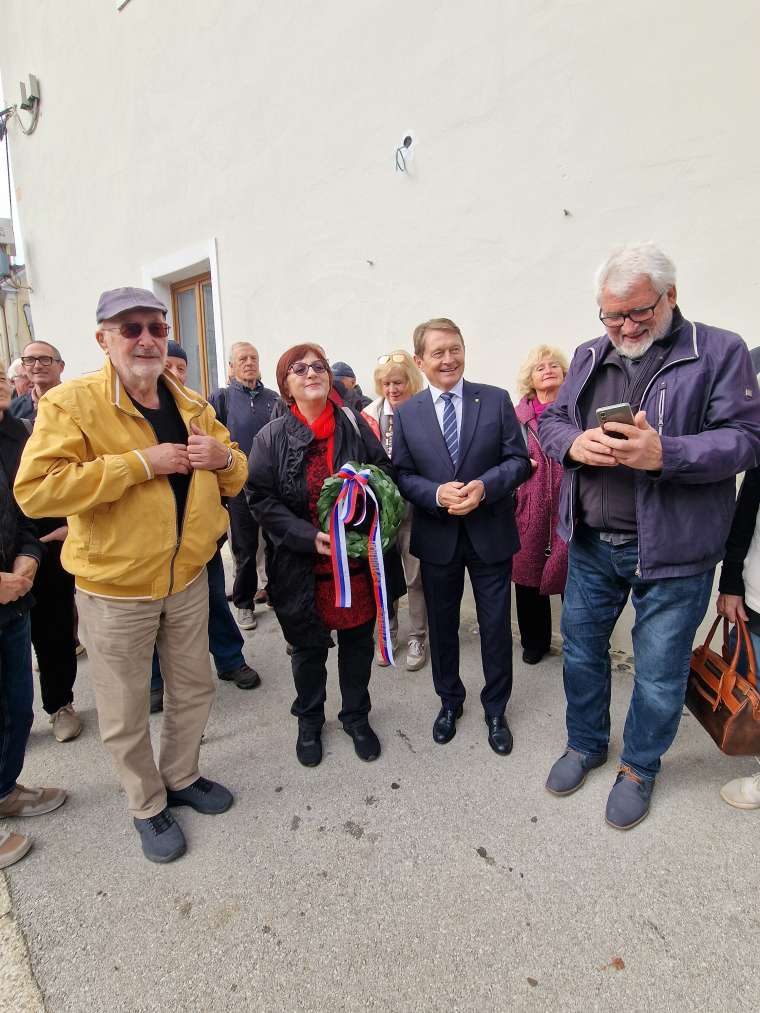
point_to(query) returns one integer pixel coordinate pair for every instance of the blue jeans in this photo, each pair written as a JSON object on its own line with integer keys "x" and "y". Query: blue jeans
{"x": 225, "y": 640}
{"x": 16, "y": 699}
{"x": 668, "y": 612}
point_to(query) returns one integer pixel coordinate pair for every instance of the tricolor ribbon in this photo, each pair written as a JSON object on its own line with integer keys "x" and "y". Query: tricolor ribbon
{"x": 352, "y": 498}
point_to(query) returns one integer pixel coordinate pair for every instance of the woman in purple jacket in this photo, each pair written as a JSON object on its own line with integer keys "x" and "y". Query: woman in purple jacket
{"x": 539, "y": 569}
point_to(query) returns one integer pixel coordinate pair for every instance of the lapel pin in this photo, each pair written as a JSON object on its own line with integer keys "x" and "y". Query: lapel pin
{"x": 477, "y": 400}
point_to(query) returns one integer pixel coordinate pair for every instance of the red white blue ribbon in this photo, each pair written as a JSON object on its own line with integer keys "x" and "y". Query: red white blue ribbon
{"x": 351, "y": 500}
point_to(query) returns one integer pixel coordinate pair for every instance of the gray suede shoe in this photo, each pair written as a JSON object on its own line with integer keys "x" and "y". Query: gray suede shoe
{"x": 204, "y": 796}
{"x": 628, "y": 802}
{"x": 161, "y": 837}
{"x": 569, "y": 771}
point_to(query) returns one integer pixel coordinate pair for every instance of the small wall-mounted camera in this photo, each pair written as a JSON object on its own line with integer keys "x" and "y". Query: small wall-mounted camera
{"x": 404, "y": 152}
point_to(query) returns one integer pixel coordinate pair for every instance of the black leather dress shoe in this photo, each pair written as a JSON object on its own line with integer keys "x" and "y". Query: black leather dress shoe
{"x": 499, "y": 735}
{"x": 366, "y": 743}
{"x": 532, "y": 655}
{"x": 445, "y": 725}
{"x": 309, "y": 746}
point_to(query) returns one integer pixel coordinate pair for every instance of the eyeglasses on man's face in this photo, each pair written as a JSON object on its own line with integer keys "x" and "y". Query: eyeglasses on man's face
{"x": 393, "y": 357}
{"x": 44, "y": 360}
{"x": 133, "y": 330}
{"x": 302, "y": 368}
{"x": 637, "y": 316}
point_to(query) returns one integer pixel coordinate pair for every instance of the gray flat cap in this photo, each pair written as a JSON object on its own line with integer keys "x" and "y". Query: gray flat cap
{"x": 119, "y": 300}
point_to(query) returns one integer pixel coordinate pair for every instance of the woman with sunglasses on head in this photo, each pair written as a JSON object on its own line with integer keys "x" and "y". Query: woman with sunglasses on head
{"x": 290, "y": 459}
{"x": 539, "y": 569}
{"x": 396, "y": 380}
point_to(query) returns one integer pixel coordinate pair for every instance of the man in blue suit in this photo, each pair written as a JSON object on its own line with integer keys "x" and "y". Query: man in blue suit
{"x": 460, "y": 455}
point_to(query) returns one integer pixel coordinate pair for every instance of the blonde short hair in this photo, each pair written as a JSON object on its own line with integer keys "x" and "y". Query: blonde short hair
{"x": 535, "y": 355}
{"x": 398, "y": 359}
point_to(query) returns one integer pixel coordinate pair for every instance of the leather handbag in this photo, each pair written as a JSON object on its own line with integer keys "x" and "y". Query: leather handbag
{"x": 725, "y": 703}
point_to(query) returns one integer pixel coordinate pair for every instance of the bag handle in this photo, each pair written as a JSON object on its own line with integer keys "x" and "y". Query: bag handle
{"x": 742, "y": 636}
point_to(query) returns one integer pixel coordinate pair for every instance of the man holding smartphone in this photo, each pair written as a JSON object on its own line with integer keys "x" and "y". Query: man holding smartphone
{"x": 645, "y": 515}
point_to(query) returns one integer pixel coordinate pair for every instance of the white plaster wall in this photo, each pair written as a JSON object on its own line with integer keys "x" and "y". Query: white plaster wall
{"x": 271, "y": 128}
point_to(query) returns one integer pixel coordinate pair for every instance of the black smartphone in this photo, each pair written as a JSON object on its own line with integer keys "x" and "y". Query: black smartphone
{"x": 615, "y": 413}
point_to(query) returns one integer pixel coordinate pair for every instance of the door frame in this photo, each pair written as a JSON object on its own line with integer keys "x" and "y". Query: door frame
{"x": 189, "y": 262}
{"x": 186, "y": 285}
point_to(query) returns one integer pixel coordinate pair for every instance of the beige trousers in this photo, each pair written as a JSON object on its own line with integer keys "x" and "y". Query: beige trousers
{"x": 415, "y": 595}
{"x": 120, "y": 635}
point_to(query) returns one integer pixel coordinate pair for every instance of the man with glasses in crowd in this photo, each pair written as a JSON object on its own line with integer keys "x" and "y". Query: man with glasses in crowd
{"x": 244, "y": 406}
{"x": 43, "y": 366}
{"x": 139, "y": 465}
{"x": 53, "y": 617}
{"x": 646, "y": 508}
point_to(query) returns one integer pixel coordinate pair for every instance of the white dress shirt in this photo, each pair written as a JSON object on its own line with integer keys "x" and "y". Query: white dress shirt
{"x": 439, "y": 404}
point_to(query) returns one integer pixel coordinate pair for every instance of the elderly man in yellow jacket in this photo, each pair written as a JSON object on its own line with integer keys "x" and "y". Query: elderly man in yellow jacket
{"x": 139, "y": 464}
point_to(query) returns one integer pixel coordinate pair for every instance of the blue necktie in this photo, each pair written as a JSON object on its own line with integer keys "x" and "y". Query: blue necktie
{"x": 450, "y": 427}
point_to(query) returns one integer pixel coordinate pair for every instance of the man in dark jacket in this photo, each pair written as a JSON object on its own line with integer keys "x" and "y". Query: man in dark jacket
{"x": 43, "y": 366}
{"x": 20, "y": 554}
{"x": 646, "y": 514}
{"x": 53, "y": 616}
{"x": 244, "y": 406}
{"x": 344, "y": 381}
{"x": 460, "y": 454}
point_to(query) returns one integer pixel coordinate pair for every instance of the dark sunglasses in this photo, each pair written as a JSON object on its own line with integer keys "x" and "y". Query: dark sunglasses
{"x": 156, "y": 329}
{"x": 302, "y": 368}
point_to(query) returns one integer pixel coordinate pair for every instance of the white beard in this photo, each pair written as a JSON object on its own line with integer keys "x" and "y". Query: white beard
{"x": 638, "y": 348}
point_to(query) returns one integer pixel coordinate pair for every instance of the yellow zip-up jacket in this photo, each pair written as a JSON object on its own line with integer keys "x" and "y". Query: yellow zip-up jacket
{"x": 83, "y": 460}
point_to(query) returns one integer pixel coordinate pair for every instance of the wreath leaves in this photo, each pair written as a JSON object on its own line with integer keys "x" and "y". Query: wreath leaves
{"x": 391, "y": 505}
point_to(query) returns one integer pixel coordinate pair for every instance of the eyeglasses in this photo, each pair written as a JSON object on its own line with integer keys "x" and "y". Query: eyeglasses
{"x": 155, "y": 328}
{"x": 44, "y": 360}
{"x": 638, "y": 316}
{"x": 393, "y": 357}
{"x": 302, "y": 368}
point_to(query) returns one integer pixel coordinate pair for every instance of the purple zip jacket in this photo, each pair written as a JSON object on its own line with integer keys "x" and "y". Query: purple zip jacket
{"x": 705, "y": 404}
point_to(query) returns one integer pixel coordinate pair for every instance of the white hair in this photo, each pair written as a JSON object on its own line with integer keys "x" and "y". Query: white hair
{"x": 15, "y": 368}
{"x": 240, "y": 344}
{"x": 626, "y": 264}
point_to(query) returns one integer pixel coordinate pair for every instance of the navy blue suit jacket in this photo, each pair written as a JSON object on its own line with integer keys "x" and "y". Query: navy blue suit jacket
{"x": 491, "y": 448}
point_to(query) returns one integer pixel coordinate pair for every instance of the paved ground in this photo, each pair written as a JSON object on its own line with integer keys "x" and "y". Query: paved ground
{"x": 438, "y": 878}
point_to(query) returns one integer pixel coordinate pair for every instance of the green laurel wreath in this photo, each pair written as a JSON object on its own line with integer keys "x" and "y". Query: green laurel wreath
{"x": 392, "y": 509}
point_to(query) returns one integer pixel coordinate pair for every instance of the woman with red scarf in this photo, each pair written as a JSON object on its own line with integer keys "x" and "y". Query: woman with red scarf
{"x": 290, "y": 459}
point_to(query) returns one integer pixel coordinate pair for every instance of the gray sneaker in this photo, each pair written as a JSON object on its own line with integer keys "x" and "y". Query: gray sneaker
{"x": 246, "y": 619}
{"x": 416, "y": 655}
{"x": 204, "y": 796}
{"x": 569, "y": 771}
{"x": 628, "y": 802}
{"x": 161, "y": 837}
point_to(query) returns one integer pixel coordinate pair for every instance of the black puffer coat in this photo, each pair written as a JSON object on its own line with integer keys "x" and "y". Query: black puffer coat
{"x": 277, "y": 495}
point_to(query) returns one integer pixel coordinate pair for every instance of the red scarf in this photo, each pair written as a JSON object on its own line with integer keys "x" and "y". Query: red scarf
{"x": 323, "y": 428}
